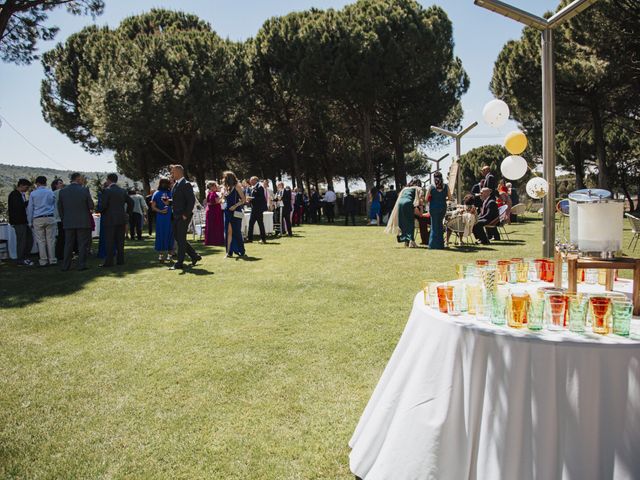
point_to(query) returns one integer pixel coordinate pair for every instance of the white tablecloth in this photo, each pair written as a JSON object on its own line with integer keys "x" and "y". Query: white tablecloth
{"x": 9, "y": 234}
{"x": 268, "y": 224}
{"x": 460, "y": 399}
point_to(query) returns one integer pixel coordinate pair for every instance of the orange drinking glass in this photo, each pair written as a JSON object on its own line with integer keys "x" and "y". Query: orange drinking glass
{"x": 503, "y": 271}
{"x": 445, "y": 292}
{"x": 519, "y": 307}
{"x": 600, "y": 311}
{"x": 482, "y": 263}
{"x": 561, "y": 298}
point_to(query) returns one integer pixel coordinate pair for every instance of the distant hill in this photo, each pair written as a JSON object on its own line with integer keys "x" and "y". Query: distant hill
{"x": 9, "y": 175}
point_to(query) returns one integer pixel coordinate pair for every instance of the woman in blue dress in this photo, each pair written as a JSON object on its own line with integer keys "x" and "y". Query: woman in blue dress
{"x": 437, "y": 199}
{"x": 234, "y": 201}
{"x": 161, "y": 205}
{"x": 375, "y": 210}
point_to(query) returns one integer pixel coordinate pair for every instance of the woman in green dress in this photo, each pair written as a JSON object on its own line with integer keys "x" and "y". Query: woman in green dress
{"x": 402, "y": 219}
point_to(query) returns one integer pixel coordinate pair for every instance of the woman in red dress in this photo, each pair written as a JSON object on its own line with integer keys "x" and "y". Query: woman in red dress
{"x": 214, "y": 221}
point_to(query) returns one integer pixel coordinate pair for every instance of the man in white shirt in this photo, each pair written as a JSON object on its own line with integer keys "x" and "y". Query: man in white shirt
{"x": 137, "y": 216}
{"x": 41, "y": 218}
{"x": 329, "y": 200}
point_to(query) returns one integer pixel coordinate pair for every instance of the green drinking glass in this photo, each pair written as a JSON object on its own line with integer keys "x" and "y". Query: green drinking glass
{"x": 577, "y": 314}
{"x": 622, "y": 313}
{"x": 535, "y": 315}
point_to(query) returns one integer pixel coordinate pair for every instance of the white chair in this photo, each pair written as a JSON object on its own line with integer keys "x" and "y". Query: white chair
{"x": 457, "y": 226}
{"x": 635, "y": 229}
{"x": 198, "y": 221}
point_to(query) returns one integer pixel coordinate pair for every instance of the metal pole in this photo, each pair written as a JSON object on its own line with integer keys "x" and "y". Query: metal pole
{"x": 548, "y": 143}
{"x": 459, "y": 176}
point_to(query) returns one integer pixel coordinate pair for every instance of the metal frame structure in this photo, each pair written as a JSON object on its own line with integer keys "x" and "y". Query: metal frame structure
{"x": 546, "y": 26}
{"x": 457, "y": 137}
{"x": 437, "y": 162}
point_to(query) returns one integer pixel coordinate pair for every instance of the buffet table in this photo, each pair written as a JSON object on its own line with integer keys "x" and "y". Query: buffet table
{"x": 268, "y": 224}
{"x": 465, "y": 399}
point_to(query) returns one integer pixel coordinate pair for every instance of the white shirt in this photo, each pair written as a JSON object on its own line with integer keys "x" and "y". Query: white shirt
{"x": 329, "y": 197}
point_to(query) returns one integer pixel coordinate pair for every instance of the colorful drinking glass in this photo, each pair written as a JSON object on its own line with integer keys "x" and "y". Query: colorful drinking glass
{"x": 556, "y": 310}
{"x": 577, "y": 313}
{"x": 535, "y": 314}
{"x": 519, "y": 307}
{"x": 474, "y": 297}
{"x": 445, "y": 292}
{"x": 622, "y": 312}
{"x": 600, "y": 309}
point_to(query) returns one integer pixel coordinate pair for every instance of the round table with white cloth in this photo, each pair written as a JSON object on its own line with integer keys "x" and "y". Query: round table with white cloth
{"x": 268, "y": 223}
{"x": 464, "y": 399}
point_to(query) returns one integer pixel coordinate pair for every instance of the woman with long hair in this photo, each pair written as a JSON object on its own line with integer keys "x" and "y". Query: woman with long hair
{"x": 504, "y": 199}
{"x": 234, "y": 200}
{"x": 437, "y": 199}
{"x": 161, "y": 205}
{"x": 402, "y": 218}
{"x": 214, "y": 221}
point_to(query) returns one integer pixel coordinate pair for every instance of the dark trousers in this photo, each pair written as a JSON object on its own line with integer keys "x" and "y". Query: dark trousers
{"x": 180, "y": 227}
{"x": 286, "y": 218}
{"x": 329, "y": 212}
{"x": 113, "y": 237}
{"x": 478, "y": 231}
{"x": 135, "y": 225}
{"x": 256, "y": 216}
{"x": 313, "y": 213}
{"x": 60, "y": 243}
{"x": 423, "y": 224}
{"x": 353, "y": 218}
{"x": 151, "y": 217}
{"x": 81, "y": 236}
{"x": 24, "y": 241}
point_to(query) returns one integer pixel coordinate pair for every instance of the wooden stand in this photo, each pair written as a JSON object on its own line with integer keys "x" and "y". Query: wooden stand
{"x": 574, "y": 263}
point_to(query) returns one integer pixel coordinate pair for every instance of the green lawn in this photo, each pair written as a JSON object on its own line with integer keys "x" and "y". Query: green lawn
{"x": 255, "y": 369}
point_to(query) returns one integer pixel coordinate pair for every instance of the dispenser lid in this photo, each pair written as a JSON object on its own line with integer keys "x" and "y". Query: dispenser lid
{"x": 589, "y": 195}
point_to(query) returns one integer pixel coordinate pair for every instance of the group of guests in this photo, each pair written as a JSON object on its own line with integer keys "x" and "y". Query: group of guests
{"x": 480, "y": 210}
{"x": 381, "y": 204}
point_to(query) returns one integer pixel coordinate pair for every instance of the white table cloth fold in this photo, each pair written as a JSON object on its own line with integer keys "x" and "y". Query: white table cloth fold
{"x": 461, "y": 399}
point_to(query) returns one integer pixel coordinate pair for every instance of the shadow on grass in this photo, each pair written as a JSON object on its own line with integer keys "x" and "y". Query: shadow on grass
{"x": 21, "y": 286}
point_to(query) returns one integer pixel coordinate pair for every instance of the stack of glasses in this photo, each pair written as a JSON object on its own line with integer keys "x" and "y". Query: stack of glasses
{"x": 483, "y": 290}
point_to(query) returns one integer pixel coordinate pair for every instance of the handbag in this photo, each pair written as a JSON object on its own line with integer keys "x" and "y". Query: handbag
{"x": 238, "y": 214}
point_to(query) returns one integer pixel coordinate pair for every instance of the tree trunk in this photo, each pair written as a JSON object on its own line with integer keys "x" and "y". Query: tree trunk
{"x": 601, "y": 151}
{"x": 399, "y": 166}
{"x": 5, "y": 14}
{"x": 346, "y": 182}
{"x": 367, "y": 154}
{"x": 146, "y": 184}
{"x": 578, "y": 165}
{"x": 625, "y": 189}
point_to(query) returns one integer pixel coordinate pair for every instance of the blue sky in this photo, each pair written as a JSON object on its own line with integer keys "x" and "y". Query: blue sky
{"x": 479, "y": 36}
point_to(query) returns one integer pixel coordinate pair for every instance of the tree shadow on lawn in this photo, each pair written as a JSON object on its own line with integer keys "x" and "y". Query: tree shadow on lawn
{"x": 21, "y": 286}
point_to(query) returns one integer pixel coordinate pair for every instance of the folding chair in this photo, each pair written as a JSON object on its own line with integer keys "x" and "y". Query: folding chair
{"x": 519, "y": 210}
{"x": 635, "y": 229}
{"x": 457, "y": 226}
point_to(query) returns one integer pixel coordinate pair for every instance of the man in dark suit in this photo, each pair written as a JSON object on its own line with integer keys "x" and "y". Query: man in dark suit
{"x": 286, "y": 207}
{"x": 114, "y": 219}
{"x": 350, "y": 207}
{"x": 390, "y": 199}
{"x": 17, "y": 205}
{"x": 258, "y": 207}
{"x": 488, "y": 214}
{"x": 314, "y": 206}
{"x": 489, "y": 180}
{"x": 182, "y": 202}
{"x": 74, "y": 206}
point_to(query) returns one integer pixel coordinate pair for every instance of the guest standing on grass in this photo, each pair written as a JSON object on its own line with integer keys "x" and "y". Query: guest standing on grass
{"x": 136, "y": 219}
{"x": 329, "y": 202}
{"x": 437, "y": 199}
{"x": 115, "y": 208}
{"x": 258, "y": 201}
{"x": 350, "y": 207}
{"x": 214, "y": 221}
{"x": 233, "y": 203}
{"x": 41, "y": 218}
{"x": 75, "y": 205}
{"x": 161, "y": 206}
{"x": 375, "y": 208}
{"x": 402, "y": 218}
{"x": 17, "y": 205}
{"x": 56, "y": 186}
{"x": 287, "y": 208}
{"x": 183, "y": 201}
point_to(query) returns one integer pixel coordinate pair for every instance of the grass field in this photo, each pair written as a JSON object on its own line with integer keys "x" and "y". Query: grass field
{"x": 236, "y": 369}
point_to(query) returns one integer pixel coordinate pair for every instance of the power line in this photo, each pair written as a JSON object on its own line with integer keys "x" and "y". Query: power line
{"x": 30, "y": 143}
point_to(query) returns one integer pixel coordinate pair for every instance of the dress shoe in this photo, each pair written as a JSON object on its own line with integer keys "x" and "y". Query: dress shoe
{"x": 194, "y": 261}
{"x": 177, "y": 266}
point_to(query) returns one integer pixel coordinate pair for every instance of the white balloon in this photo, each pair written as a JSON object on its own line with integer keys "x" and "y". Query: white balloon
{"x": 496, "y": 113}
{"x": 514, "y": 167}
{"x": 537, "y": 188}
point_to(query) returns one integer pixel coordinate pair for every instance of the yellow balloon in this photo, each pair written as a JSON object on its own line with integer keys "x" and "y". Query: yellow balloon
{"x": 515, "y": 142}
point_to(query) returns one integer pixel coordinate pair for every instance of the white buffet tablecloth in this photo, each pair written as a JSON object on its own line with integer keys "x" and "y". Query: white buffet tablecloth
{"x": 462, "y": 399}
{"x": 9, "y": 234}
{"x": 268, "y": 224}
